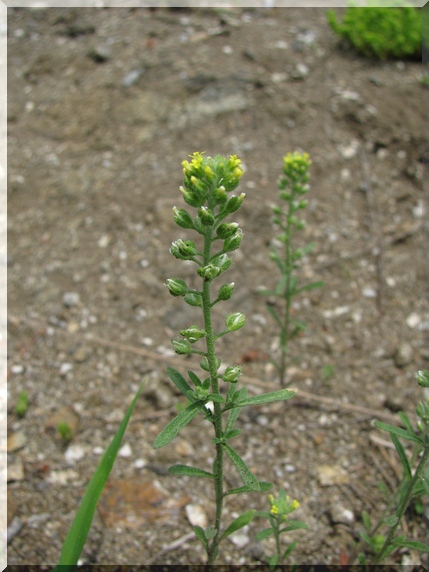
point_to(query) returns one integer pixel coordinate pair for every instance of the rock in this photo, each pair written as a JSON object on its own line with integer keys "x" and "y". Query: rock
{"x": 329, "y": 475}
{"x": 349, "y": 151}
{"x": 63, "y": 415}
{"x": 17, "y": 369}
{"x": 183, "y": 448}
{"x": 15, "y": 471}
{"x": 338, "y": 311}
{"x": 132, "y": 77}
{"x": 342, "y": 515}
{"x": 74, "y": 453}
{"x": 63, "y": 477}
{"x": 16, "y": 441}
{"x": 196, "y": 515}
{"x": 65, "y": 368}
{"x": 240, "y": 539}
{"x": 82, "y": 354}
{"x": 100, "y": 54}
{"x": 158, "y": 392}
{"x": 413, "y": 320}
{"x": 71, "y": 299}
{"x": 403, "y": 355}
{"x": 14, "y": 528}
{"x": 369, "y": 292}
{"x": 125, "y": 451}
{"x": 300, "y": 72}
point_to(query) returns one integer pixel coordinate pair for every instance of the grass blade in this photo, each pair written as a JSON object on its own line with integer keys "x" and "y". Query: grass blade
{"x": 79, "y": 529}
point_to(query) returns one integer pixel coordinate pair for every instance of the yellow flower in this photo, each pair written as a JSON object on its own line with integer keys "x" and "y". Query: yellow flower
{"x": 295, "y": 504}
{"x": 274, "y": 510}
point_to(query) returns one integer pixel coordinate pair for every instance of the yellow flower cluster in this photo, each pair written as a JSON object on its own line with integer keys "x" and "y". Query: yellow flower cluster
{"x": 297, "y": 163}
{"x": 283, "y": 506}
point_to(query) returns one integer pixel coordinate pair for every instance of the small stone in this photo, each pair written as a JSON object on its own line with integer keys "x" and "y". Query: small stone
{"x": 74, "y": 453}
{"x": 403, "y": 355}
{"x": 338, "y": 311}
{"x": 17, "y": 369}
{"x": 349, "y": 151}
{"x": 63, "y": 477}
{"x": 290, "y": 468}
{"x": 329, "y": 475}
{"x": 125, "y": 451}
{"x": 342, "y": 515}
{"x": 196, "y": 515}
{"x": 103, "y": 241}
{"x": 100, "y": 54}
{"x": 262, "y": 420}
{"x": 16, "y": 441}
{"x": 82, "y": 354}
{"x": 71, "y": 299}
{"x": 183, "y": 448}
{"x": 369, "y": 292}
{"x": 132, "y": 77}
{"x": 140, "y": 463}
{"x": 15, "y": 471}
{"x": 413, "y": 320}
{"x": 240, "y": 539}
{"x": 300, "y": 72}
{"x": 14, "y": 528}
{"x": 65, "y": 368}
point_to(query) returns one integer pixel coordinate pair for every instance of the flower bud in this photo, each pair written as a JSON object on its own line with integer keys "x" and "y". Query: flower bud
{"x": 181, "y": 347}
{"x": 235, "y": 321}
{"x": 193, "y": 333}
{"x": 220, "y": 195}
{"x": 206, "y": 216}
{"x": 192, "y": 198}
{"x": 232, "y": 374}
{"x": 233, "y": 242}
{"x": 222, "y": 262}
{"x": 422, "y": 411}
{"x": 182, "y": 218}
{"x": 176, "y": 287}
{"x": 183, "y": 249}
{"x": 204, "y": 364}
{"x": 193, "y": 299}
{"x": 233, "y": 204}
{"x": 208, "y": 272}
{"x": 226, "y": 230}
{"x": 422, "y": 377}
{"x": 226, "y": 291}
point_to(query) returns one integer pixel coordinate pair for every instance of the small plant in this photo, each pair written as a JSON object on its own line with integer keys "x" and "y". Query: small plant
{"x": 21, "y": 407}
{"x": 381, "y": 32}
{"x": 413, "y": 485}
{"x": 207, "y": 182}
{"x": 293, "y": 186}
{"x": 64, "y": 431}
{"x": 328, "y": 371}
{"x": 278, "y": 517}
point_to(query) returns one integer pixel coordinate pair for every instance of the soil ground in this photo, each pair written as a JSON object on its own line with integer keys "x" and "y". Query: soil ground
{"x": 103, "y": 106}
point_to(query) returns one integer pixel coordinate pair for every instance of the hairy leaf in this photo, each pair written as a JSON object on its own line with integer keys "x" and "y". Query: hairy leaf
{"x": 248, "y": 478}
{"x": 186, "y": 470}
{"x": 239, "y": 522}
{"x": 173, "y": 428}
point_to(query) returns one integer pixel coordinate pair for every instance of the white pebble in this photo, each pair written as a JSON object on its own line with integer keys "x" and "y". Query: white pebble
{"x": 125, "y": 451}
{"x": 413, "y": 320}
{"x": 196, "y": 515}
{"x": 71, "y": 299}
{"x": 74, "y": 453}
{"x": 140, "y": 463}
{"x": 65, "y": 368}
{"x": 16, "y": 369}
{"x": 369, "y": 292}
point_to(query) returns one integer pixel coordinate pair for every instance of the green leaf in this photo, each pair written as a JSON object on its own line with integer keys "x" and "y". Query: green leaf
{"x": 79, "y": 529}
{"x": 402, "y": 455}
{"x": 289, "y": 549}
{"x": 366, "y": 538}
{"x": 266, "y": 292}
{"x": 406, "y": 421}
{"x": 366, "y": 521}
{"x": 239, "y": 522}
{"x": 180, "y": 382}
{"x": 311, "y": 286}
{"x": 248, "y": 478}
{"x": 391, "y": 520}
{"x": 279, "y": 395}
{"x": 280, "y": 288}
{"x": 273, "y": 561}
{"x": 294, "y": 525}
{"x": 264, "y": 487}
{"x": 235, "y": 412}
{"x": 274, "y": 314}
{"x": 215, "y": 398}
{"x": 199, "y": 533}
{"x": 400, "y": 432}
{"x": 173, "y": 428}
{"x": 264, "y": 534}
{"x": 413, "y": 544}
{"x": 210, "y": 532}
{"x": 186, "y": 470}
{"x": 193, "y": 377}
{"x": 232, "y": 433}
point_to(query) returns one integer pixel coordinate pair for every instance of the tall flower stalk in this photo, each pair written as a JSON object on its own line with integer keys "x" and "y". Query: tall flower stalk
{"x": 292, "y": 186}
{"x": 207, "y": 184}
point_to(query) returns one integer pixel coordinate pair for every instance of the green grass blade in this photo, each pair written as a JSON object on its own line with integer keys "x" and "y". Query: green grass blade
{"x": 79, "y": 529}
{"x": 173, "y": 428}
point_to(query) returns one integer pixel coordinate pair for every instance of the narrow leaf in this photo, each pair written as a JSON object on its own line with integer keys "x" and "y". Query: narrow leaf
{"x": 366, "y": 538}
{"x": 264, "y": 487}
{"x": 266, "y": 292}
{"x": 180, "y": 382}
{"x": 273, "y": 561}
{"x": 294, "y": 525}
{"x": 274, "y": 314}
{"x": 239, "y": 522}
{"x": 248, "y": 478}
{"x": 280, "y": 395}
{"x": 402, "y": 455}
{"x": 193, "y": 377}
{"x": 186, "y": 470}
{"x": 199, "y": 533}
{"x": 173, "y": 428}
{"x": 406, "y": 421}
{"x": 79, "y": 529}
{"x": 400, "y": 432}
{"x": 264, "y": 534}
{"x": 366, "y": 521}
{"x": 311, "y": 286}
{"x": 413, "y": 544}
{"x": 289, "y": 549}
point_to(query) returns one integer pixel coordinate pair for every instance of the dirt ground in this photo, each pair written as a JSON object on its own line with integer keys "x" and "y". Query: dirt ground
{"x": 103, "y": 106}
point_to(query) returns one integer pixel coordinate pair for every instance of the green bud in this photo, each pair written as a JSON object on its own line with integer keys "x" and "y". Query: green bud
{"x": 233, "y": 204}
{"x": 206, "y": 216}
{"x": 222, "y": 262}
{"x": 226, "y": 230}
{"x": 204, "y": 364}
{"x": 200, "y": 393}
{"x": 276, "y": 210}
{"x": 235, "y": 321}
{"x": 183, "y": 249}
{"x": 422, "y": 411}
{"x": 176, "y": 287}
{"x": 233, "y": 242}
{"x": 422, "y": 377}
{"x": 209, "y": 272}
{"x": 302, "y": 204}
{"x": 193, "y": 333}
{"x": 182, "y": 218}
{"x": 232, "y": 374}
{"x": 220, "y": 195}
{"x": 181, "y": 347}
{"x": 193, "y": 299}
{"x": 285, "y": 196}
{"x": 226, "y": 291}
{"x": 192, "y": 198}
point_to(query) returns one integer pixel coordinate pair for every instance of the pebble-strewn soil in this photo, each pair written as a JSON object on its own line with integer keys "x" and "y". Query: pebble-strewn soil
{"x": 103, "y": 106}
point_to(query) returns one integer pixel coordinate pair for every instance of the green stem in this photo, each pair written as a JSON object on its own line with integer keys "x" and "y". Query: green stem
{"x": 217, "y": 414}
{"x": 403, "y": 506}
{"x": 284, "y": 337}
